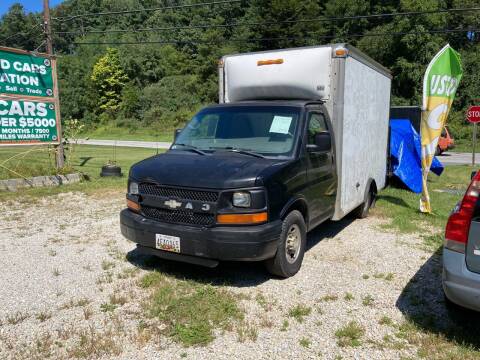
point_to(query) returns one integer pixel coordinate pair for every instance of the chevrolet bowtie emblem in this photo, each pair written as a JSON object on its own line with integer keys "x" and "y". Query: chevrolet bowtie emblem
{"x": 172, "y": 204}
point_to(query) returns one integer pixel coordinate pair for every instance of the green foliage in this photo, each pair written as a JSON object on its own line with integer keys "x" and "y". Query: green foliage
{"x": 161, "y": 85}
{"x": 109, "y": 80}
{"x": 190, "y": 311}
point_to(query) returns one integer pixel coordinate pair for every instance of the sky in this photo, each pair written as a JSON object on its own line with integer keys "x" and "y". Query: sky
{"x": 29, "y": 5}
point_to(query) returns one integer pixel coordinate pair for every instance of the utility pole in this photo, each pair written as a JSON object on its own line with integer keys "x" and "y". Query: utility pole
{"x": 48, "y": 39}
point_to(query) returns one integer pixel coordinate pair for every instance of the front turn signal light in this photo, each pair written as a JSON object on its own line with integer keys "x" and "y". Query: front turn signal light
{"x": 132, "y": 205}
{"x": 254, "y": 218}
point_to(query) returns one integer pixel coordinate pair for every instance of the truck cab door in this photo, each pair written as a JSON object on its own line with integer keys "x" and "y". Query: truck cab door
{"x": 321, "y": 178}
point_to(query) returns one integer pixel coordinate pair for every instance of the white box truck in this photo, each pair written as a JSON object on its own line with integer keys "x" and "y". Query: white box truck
{"x": 300, "y": 136}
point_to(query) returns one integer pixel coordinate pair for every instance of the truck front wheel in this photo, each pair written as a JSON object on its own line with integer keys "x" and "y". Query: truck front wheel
{"x": 291, "y": 247}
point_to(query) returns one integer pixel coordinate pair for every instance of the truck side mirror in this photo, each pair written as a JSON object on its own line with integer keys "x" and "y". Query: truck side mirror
{"x": 323, "y": 142}
{"x": 176, "y": 133}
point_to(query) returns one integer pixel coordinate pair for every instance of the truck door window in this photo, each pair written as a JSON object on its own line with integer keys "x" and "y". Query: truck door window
{"x": 316, "y": 124}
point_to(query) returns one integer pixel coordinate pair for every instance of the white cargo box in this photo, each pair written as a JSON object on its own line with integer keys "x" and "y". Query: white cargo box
{"x": 355, "y": 90}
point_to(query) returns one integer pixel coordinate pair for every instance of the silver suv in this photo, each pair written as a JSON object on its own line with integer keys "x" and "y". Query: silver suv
{"x": 461, "y": 252}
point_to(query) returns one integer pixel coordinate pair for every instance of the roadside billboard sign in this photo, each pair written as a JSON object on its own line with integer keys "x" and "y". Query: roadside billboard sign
{"x": 25, "y": 74}
{"x": 29, "y": 103}
{"x": 27, "y": 122}
{"x": 473, "y": 114}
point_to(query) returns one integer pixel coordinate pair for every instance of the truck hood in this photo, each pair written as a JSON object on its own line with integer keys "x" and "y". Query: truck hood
{"x": 220, "y": 170}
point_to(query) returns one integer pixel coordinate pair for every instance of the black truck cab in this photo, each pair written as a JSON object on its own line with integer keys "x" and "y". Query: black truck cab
{"x": 242, "y": 182}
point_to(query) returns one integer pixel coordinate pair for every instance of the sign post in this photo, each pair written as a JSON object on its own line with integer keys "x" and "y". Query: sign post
{"x": 473, "y": 116}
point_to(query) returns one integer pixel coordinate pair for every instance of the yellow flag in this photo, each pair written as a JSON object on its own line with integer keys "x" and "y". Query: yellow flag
{"x": 439, "y": 86}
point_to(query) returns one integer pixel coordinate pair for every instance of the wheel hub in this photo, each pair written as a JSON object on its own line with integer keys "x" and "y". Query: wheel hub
{"x": 293, "y": 243}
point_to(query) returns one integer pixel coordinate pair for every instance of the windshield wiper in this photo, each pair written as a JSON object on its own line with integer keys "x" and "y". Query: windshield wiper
{"x": 239, "y": 151}
{"x": 191, "y": 148}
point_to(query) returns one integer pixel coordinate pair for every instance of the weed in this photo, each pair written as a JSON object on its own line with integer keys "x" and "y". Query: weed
{"x": 94, "y": 344}
{"x": 367, "y": 300}
{"x": 365, "y": 277}
{"x": 305, "y": 342}
{"x": 329, "y": 297}
{"x": 43, "y": 316}
{"x": 385, "y": 320}
{"x": 16, "y": 318}
{"x": 52, "y": 252}
{"x": 246, "y": 331}
{"x": 349, "y": 296}
{"x": 387, "y": 277}
{"x": 87, "y": 313}
{"x": 190, "y": 310}
{"x": 350, "y": 334}
{"x": 299, "y": 311}
{"x": 118, "y": 299}
{"x": 107, "y": 265}
{"x": 107, "y": 307}
{"x": 56, "y": 272}
{"x": 284, "y": 325}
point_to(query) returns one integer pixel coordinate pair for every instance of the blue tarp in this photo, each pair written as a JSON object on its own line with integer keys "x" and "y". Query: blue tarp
{"x": 405, "y": 154}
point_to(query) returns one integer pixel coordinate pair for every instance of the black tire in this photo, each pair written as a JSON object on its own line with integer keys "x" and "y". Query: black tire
{"x": 363, "y": 210}
{"x": 280, "y": 265}
{"x": 438, "y": 151}
{"x": 111, "y": 170}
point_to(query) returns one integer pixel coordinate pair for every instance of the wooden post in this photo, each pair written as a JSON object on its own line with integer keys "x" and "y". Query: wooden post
{"x": 474, "y": 145}
{"x": 48, "y": 39}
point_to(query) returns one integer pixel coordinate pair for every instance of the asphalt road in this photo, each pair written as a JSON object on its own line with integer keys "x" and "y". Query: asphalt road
{"x": 125, "y": 143}
{"x": 447, "y": 158}
{"x": 457, "y": 158}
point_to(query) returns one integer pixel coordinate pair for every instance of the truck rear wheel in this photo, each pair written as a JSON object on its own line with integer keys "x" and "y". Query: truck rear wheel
{"x": 363, "y": 210}
{"x": 291, "y": 247}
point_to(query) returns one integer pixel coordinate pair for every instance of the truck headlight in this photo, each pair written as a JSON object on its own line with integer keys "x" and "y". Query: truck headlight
{"x": 242, "y": 199}
{"x": 133, "y": 188}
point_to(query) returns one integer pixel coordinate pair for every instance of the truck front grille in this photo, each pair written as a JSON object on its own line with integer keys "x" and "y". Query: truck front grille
{"x": 182, "y": 194}
{"x": 178, "y": 216}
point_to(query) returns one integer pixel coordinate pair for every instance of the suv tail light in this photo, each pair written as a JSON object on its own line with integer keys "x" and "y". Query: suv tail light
{"x": 458, "y": 225}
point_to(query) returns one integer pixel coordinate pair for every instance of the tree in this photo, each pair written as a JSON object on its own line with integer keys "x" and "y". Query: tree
{"x": 109, "y": 80}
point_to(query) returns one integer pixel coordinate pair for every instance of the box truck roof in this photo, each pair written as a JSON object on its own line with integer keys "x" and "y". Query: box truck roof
{"x": 298, "y": 73}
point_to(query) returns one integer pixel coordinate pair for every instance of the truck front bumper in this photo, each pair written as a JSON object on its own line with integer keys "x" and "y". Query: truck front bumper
{"x": 201, "y": 245}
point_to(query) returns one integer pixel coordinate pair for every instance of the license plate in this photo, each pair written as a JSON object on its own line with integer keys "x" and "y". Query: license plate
{"x": 167, "y": 243}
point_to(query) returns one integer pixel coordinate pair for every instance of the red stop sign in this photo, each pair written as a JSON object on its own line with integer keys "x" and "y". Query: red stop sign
{"x": 473, "y": 114}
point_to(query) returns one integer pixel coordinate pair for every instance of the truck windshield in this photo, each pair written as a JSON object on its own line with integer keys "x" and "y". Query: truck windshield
{"x": 265, "y": 130}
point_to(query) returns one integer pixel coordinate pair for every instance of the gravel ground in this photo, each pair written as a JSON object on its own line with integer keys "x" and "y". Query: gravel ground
{"x": 63, "y": 259}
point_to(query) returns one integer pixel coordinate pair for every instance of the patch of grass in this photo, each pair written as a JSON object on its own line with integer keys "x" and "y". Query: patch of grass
{"x": 17, "y": 318}
{"x": 190, "y": 311}
{"x": 299, "y": 312}
{"x": 120, "y": 133}
{"x": 118, "y": 299}
{"x": 247, "y": 331}
{"x": 87, "y": 159}
{"x": 350, "y": 334}
{"x": 94, "y": 344}
{"x": 365, "y": 277}
{"x": 284, "y": 325}
{"x": 263, "y": 302}
{"x": 107, "y": 307}
{"x": 385, "y": 320}
{"x": 107, "y": 265}
{"x": 329, "y": 297}
{"x": 348, "y": 296}
{"x": 401, "y": 206}
{"x": 367, "y": 300}
{"x": 387, "y": 277}
{"x": 56, "y": 272}
{"x": 305, "y": 342}
{"x": 43, "y": 316}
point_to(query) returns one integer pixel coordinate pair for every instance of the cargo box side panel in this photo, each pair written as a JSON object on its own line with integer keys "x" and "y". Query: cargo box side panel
{"x": 364, "y": 135}
{"x": 294, "y": 74}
